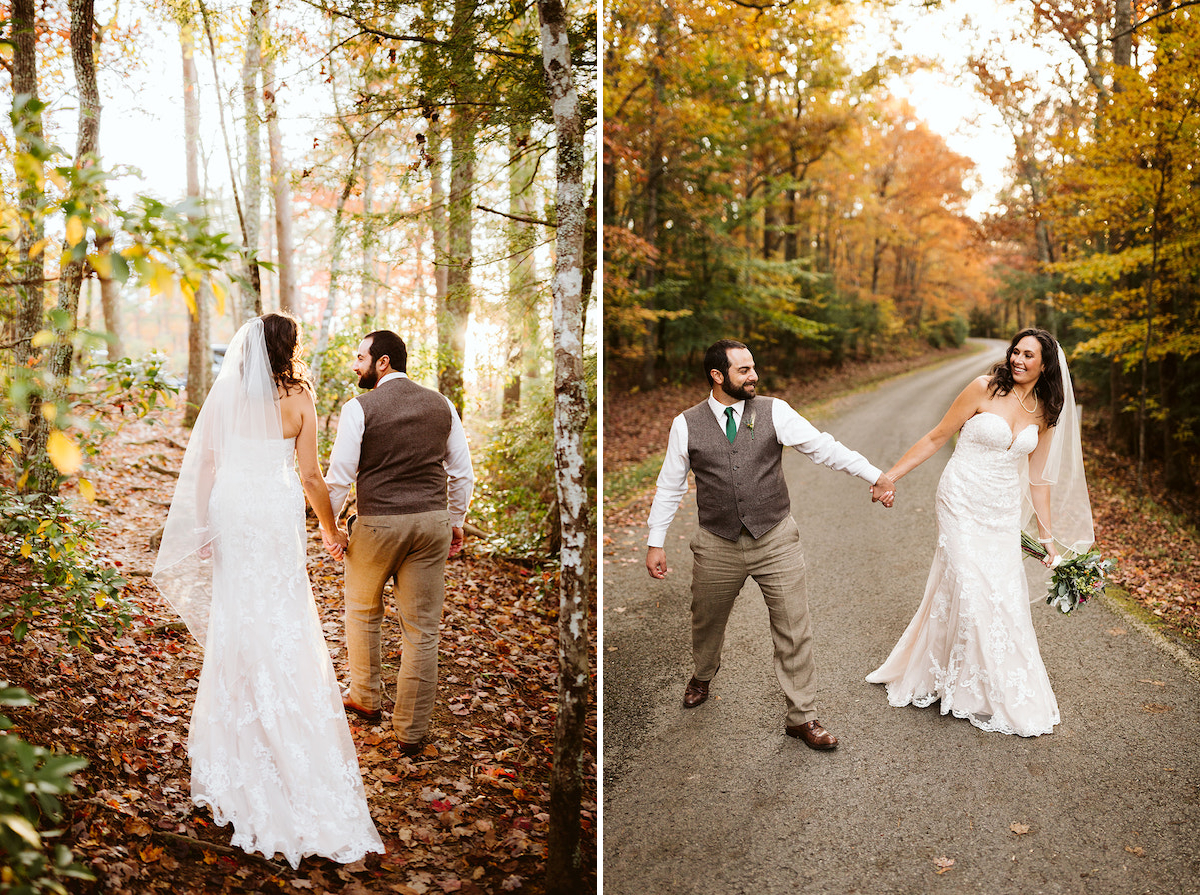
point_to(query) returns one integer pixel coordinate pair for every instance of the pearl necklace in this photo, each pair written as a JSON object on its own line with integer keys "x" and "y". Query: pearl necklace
{"x": 1022, "y": 403}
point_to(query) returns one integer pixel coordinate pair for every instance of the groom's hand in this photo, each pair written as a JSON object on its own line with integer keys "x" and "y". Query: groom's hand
{"x": 656, "y": 562}
{"x": 456, "y": 540}
{"x": 884, "y": 490}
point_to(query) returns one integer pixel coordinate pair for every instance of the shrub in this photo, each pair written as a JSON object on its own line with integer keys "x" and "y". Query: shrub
{"x": 31, "y": 781}
{"x": 516, "y": 498}
{"x": 55, "y": 546}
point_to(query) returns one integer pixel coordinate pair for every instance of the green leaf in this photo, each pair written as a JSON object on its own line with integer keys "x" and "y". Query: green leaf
{"x": 22, "y": 828}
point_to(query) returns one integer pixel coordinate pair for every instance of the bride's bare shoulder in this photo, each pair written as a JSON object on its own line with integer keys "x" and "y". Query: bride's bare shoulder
{"x": 293, "y": 394}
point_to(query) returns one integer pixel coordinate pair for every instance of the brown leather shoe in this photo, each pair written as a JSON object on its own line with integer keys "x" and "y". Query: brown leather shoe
{"x": 814, "y": 735}
{"x": 410, "y": 749}
{"x": 366, "y": 714}
{"x": 696, "y": 693}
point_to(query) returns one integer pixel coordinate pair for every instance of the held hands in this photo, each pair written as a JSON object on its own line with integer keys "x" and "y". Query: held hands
{"x": 883, "y": 491}
{"x": 335, "y": 543}
{"x": 656, "y": 562}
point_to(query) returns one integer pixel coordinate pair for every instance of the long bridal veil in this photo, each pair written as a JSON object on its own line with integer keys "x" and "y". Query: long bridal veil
{"x": 239, "y": 421}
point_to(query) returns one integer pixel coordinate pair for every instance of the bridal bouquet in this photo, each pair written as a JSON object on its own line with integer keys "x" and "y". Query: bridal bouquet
{"x": 1075, "y": 580}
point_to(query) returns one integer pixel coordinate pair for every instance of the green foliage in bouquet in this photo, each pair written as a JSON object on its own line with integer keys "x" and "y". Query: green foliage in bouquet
{"x": 1076, "y": 579}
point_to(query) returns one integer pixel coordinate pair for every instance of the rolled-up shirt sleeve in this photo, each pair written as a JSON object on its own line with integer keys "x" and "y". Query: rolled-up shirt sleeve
{"x": 672, "y": 484}
{"x": 795, "y": 431}
{"x": 460, "y": 475}
{"x": 343, "y": 459}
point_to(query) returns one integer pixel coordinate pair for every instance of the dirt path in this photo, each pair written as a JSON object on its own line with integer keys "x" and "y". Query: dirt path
{"x": 718, "y": 799}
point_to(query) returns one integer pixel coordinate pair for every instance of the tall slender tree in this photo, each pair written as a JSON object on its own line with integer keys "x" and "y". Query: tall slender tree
{"x": 26, "y": 116}
{"x": 251, "y": 68}
{"x": 199, "y": 362}
{"x": 452, "y": 325}
{"x": 564, "y": 869}
{"x": 85, "y": 197}
{"x": 281, "y": 189}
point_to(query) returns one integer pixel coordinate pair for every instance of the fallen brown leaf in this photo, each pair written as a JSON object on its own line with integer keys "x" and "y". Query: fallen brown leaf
{"x": 1019, "y": 829}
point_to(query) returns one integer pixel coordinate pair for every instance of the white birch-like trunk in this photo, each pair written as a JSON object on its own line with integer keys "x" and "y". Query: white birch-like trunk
{"x": 564, "y": 870}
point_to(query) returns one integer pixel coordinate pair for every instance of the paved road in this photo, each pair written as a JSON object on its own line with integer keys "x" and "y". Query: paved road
{"x": 717, "y": 800}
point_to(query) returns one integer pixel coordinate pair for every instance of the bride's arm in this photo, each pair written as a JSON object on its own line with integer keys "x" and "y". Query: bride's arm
{"x": 1039, "y": 491}
{"x": 964, "y": 407}
{"x": 310, "y": 465}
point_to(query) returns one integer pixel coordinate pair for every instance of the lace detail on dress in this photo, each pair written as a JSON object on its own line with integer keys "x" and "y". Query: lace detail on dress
{"x": 270, "y": 747}
{"x": 971, "y": 644}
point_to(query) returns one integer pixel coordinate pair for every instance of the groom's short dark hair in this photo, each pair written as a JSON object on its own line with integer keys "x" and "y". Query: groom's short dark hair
{"x": 717, "y": 358}
{"x": 385, "y": 343}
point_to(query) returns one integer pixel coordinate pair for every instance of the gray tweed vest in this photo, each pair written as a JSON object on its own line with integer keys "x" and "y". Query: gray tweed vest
{"x": 741, "y": 484}
{"x": 400, "y": 469}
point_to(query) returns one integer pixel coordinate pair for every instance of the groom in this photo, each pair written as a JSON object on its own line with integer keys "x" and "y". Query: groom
{"x": 404, "y": 446}
{"x": 733, "y": 442}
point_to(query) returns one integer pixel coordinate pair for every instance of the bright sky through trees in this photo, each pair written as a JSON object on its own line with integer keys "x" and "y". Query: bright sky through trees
{"x": 944, "y": 92}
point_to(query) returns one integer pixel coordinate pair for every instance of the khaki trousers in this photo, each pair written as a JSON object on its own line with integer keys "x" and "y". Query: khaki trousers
{"x": 776, "y": 562}
{"x": 413, "y": 550}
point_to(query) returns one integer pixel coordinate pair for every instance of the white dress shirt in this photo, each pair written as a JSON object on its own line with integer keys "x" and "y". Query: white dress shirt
{"x": 347, "y": 448}
{"x": 791, "y": 430}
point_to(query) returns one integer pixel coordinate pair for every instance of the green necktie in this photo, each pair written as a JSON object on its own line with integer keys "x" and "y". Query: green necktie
{"x": 730, "y": 425}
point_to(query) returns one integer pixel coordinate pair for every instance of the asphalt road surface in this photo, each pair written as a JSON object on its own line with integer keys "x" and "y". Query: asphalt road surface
{"x": 717, "y": 800}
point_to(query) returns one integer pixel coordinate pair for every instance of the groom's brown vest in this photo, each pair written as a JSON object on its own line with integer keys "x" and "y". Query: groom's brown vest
{"x": 400, "y": 471}
{"x": 741, "y": 484}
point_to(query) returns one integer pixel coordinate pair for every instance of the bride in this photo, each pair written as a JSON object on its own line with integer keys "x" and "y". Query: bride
{"x": 1017, "y": 463}
{"x": 270, "y": 748}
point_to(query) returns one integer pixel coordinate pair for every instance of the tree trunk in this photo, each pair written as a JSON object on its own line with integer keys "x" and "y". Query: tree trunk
{"x": 370, "y": 282}
{"x": 281, "y": 189}
{"x": 199, "y": 360}
{"x": 524, "y": 322}
{"x": 1122, "y": 43}
{"x": 252, "y": 299}
{"x": 45, "y": 476}
{"x": 438, "y": 218}
{"x": 27, "y": 111}
{"x": 564, "y": 865}
{"x": 254, "y": 285}
{"x": 523, "y": 318}
{"x": 452, "y": 325}
{"x": 336, "y": 248}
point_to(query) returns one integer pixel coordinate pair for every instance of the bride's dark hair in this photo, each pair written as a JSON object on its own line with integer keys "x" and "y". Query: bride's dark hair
{"x": 1049, "y": 390}
{"x": 282, "y": 335}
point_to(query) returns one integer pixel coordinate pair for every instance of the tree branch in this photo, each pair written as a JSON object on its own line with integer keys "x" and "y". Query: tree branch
{"x": 411, "y": 38}
{"x": 516, "y": 217}
{"x": 1158, "y": 15}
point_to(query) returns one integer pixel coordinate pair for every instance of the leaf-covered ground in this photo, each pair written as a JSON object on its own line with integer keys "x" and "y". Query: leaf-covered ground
{"x": 1157, "y": 550}
{"x": 470, "y": 814}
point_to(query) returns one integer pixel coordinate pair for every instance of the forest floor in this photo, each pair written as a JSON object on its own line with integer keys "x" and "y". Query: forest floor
{"x": 1155, "y": 540}
{"x": 470, "y": 814}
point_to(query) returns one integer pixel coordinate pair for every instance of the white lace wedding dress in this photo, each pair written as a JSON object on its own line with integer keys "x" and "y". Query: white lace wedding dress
{"x": 270, "y": 747}
{"x": 971, "y": 643}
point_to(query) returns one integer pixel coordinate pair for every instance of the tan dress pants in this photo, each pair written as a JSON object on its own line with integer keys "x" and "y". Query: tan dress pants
{"x": 776, "y": 562}
{"x": 412, "y": 549}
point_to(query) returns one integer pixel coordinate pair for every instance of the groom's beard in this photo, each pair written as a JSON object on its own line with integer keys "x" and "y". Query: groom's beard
{"x": 368, "y": 380}
{"x": 742, "y": 393}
